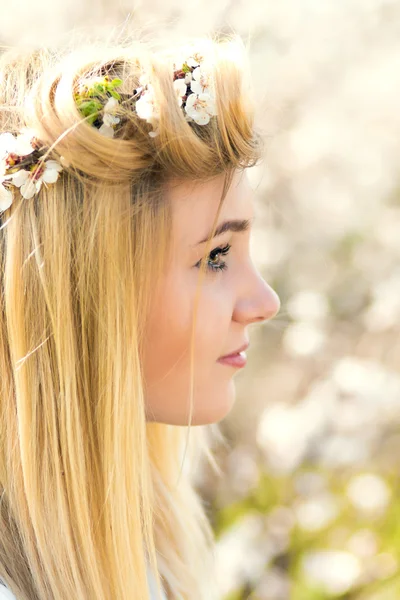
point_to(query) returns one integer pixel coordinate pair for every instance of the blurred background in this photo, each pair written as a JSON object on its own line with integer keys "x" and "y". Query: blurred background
{"x": 308, "y": 505}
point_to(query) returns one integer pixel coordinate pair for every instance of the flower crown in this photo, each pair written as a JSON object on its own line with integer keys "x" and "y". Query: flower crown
{"x": 21, "y": 156}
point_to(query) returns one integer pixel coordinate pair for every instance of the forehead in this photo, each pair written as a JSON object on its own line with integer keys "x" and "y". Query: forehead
{"x": 194, "y": 205}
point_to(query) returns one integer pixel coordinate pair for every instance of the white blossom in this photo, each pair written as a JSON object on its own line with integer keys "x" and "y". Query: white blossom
{"x": 19, "y": 178}
{"x": 155, "y": 132}
{"x": 146, "y": 109}
{"x": 335, "y": 571}
{"x": 180, "y": 89}
{"x": 316, "y": 512}
{"x": 145, "y": 105}
{"x": 20, "y": 145}
{"x": 304, "y": 338}
{"x": 23, "y": 180}
{"x": 5, "y": 198}
{"x": 51, "y": 171}
{"x": 29, "y": 185}
{"x": 5, "y": 193}
{"x": 200, "y": 108}
{"x": 24, "y": 142}
{"x": 3, "y": 168}
{"x": 109, "y": 118}
{"x": 178, "y": 62}
{"x": 369, "y": 492}
{"x": 7, "y": 144}
{"x": 107, "y": 131}
{"x": 201, "y": 82}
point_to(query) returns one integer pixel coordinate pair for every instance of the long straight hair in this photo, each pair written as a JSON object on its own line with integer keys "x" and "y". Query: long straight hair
{"x": 90, "y": 492}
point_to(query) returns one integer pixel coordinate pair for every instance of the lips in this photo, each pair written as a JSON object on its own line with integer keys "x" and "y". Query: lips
{"x": 236, "y": 359}
{"x": 236, "y": 352}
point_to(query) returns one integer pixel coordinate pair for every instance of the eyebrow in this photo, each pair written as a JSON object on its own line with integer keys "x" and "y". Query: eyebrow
{"x": 235, "y": 225}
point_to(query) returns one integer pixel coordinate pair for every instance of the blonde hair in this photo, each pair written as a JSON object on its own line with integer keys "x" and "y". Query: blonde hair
{"x": 88, "y": 487}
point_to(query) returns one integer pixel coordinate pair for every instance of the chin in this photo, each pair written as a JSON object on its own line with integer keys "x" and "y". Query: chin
{"x": 210, "y": 406}
{"x": 215, "y": 406}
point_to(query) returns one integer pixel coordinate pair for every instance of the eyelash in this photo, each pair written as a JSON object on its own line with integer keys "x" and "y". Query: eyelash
{"x": 214, "y": 253}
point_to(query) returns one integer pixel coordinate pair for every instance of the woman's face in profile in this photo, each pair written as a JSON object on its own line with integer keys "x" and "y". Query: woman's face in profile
{"x": 233, "y": 296}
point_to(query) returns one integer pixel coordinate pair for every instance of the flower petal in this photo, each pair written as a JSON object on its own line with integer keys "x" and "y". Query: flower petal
{"x": 200, "y": 108}
{"x": 180, "y": 86}
{"x": 111, "y": 105}
{"x": 106, "y": 131}
{"x": 196, "y": 87}
{"x": 5, "y": 198}
{"x": 53, "y": 164}
{"x": 196, "y": 73}
{"x": 154, "y": 133}
{"x": 204, "y": 81}
{"x": 7, "y": 143}
{"x": 144, "y": 107}
{"x": 190, "y": 102}
{"x": 110, "y": 120}
{"x": 20, "y": 177}
{"x": 3, "y": 166}
{"x": 23, "y": 146}
{"x": 201, "y": 117}
{"x": 50, "y": 175}
{"x": 28, "y": 190}
{"x": 209, "y": 105}
{"x": 206, "y": 100}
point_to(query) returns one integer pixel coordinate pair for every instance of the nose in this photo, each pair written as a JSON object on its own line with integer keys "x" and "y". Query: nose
{"x": 257, "y": 300}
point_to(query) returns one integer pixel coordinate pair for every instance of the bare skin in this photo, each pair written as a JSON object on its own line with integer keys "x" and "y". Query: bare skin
{"x": 231, "y": 300}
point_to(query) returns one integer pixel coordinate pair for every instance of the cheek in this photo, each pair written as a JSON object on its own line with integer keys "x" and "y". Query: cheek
{"x": 169, "y": 330}
{"x": 213, "y": 322}
{"x": 167, "y": 360}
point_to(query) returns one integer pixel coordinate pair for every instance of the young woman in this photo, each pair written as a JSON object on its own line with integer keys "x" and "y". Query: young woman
{"x": 127, "y": 291}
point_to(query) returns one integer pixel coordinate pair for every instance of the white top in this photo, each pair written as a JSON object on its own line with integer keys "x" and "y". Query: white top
{"x": 6, "y": 594}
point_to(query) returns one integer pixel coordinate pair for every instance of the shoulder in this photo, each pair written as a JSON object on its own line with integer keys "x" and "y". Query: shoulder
{"x": 5, "y": 593}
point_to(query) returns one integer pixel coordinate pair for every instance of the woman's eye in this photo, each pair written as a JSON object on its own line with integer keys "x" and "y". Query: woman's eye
{"x": 213, "y": 262}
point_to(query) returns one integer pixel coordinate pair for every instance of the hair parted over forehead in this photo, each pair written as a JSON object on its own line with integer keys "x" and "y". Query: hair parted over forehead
{"x": 88, "y": 488}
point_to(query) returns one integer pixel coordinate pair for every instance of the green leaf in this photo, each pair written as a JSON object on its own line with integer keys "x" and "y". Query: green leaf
{"x": 115, "y": 94}
{"x": 89, "y": 107}
{"x": 115, "y": 83}
{"x": 99, "y": 88}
